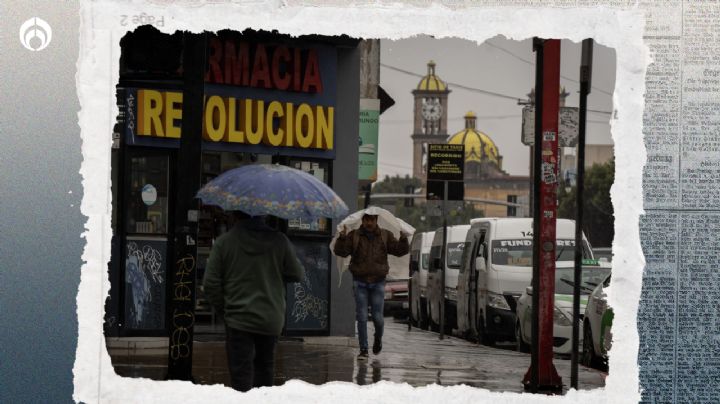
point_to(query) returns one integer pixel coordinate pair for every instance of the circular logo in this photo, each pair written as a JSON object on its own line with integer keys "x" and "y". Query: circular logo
{"x": 149, "y": 194}
{"x": 35, "y": 34}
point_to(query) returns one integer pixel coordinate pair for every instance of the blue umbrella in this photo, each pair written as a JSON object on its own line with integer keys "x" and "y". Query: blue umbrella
{"x": 271, "y": 189}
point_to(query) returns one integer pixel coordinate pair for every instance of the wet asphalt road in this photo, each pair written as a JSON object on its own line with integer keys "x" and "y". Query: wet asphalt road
{"x": 415, "y": 357}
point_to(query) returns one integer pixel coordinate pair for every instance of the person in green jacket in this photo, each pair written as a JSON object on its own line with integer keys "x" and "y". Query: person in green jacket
{"x": 245, "y": 281}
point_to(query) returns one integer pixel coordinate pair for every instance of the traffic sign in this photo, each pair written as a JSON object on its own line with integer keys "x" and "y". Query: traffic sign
{"x": 446, "y": 162}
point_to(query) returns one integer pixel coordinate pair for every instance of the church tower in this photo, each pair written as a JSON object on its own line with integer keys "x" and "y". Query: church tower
{"x": 429, "y": 117}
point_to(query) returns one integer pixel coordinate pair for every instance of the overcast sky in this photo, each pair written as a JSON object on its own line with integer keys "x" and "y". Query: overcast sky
{"x": 500, "y": 66}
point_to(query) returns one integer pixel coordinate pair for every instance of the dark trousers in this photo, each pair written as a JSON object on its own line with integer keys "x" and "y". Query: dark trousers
{"x": 251, "y": 359}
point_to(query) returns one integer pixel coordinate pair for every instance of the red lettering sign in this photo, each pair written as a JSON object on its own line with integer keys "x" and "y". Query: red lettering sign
{"x": 237, "y": 63}
{"x": 282, "y": 81}
{"x": 312, "y": 74}
{"x": 215, "y": 75}
{"x": 273, "y": 67}
{"x": 261, "y": 70}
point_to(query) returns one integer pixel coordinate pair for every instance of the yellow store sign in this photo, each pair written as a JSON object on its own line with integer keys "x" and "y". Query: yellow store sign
{"x": 239, "y": 120}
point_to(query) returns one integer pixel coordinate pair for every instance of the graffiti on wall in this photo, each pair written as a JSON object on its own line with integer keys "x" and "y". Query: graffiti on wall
{"x": 307, "y": 307}
{"x": 145, "y": 284}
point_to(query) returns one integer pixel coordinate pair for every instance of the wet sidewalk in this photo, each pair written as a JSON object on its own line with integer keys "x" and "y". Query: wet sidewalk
{"x": 415, "y": 357}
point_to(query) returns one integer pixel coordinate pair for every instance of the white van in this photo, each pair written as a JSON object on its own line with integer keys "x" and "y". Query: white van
{"x": 419, "y": 265}
{"x": 453, "y": 259}
{"x": 496, "y": 269}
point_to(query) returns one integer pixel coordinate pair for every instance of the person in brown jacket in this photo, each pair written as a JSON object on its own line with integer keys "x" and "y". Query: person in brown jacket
{"x": 369, "y": 247}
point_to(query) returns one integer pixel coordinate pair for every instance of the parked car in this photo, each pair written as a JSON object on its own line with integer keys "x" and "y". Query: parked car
{"x": 496, "y": 268}
{"x": 419, "y": 265}
{"x": 396, "y": 298}
{"x": 603, "y": 254}
{"x": 597, "y": 323}
{"x": 453, "y": 258}
{"x": 592, "y": 275}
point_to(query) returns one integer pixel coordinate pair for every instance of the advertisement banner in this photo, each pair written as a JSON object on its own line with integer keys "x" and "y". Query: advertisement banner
{"x": 569, "y": 121}
{"x": 368, "y": 140}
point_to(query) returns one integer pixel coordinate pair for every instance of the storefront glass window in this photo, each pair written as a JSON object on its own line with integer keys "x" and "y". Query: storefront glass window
{"x": 320, "y": 171}
{"x": 148, "y": 195}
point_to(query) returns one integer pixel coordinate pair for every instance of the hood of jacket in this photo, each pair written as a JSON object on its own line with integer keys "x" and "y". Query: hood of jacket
{"x": 256, "y": 236}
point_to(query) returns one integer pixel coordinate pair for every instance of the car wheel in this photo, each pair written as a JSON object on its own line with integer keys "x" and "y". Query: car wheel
{"x": 519, "y": 342}
{"x": 434, "y": 327}
{"x": 483, "y": 336}
{"x": 469, "y": 334}
{"x": 423, "y": 321}
{"x": 450, "y": 319}
{"x": 414, "y": 316}
{"x": 414, "y": 321}
{"x": 588, "y": 353}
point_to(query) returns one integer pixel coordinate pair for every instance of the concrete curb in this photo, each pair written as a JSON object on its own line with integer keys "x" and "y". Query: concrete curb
{"x": 142, "y": 345}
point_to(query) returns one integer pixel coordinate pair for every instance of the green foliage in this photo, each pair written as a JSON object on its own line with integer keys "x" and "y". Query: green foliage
{"x": 420, "y": 215}
{"x": 598, "y": 219}
{"x": 394, "y": 185}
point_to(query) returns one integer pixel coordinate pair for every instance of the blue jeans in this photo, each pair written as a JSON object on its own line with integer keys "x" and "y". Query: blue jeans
{"x": 374, "y": 295}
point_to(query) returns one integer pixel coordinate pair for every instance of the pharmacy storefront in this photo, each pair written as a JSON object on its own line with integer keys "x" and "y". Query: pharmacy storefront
{"x": 268, "y": 98}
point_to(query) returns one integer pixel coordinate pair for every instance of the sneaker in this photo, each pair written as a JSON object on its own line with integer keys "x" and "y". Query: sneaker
{"x": 363, "y": 354}
{"x": 377, "y": 345}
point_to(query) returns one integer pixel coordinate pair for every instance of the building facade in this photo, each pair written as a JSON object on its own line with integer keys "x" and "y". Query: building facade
{"x": 267, "y": 98}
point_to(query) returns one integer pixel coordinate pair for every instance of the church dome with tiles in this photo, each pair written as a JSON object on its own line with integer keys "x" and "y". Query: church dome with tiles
{"x": 431, "y": 82}
{"x": 479, "y": 147}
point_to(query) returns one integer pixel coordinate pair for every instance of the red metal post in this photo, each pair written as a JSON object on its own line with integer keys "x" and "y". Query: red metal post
{"x": 547, "y": 376}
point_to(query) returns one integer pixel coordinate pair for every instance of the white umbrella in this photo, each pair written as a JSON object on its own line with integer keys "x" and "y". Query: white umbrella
{"x": 386, "y": 220}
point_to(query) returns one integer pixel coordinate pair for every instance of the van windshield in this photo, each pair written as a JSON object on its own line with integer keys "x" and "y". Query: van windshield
{"x": 519, "y": 252}
{"x": 454, "y": 254}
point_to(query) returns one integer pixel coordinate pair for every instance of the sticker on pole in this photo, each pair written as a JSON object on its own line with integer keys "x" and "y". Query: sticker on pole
{"x": 548, "y": 173}
{"x": 549, "y": 136}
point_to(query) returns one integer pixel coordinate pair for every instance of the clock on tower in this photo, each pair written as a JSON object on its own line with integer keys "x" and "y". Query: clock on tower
{"x": 430, "y": 118}
{"x": 431, "y": 109}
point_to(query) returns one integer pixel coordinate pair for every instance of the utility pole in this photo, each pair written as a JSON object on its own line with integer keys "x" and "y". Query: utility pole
{"x": 531, "y": 194}
{"x": 445, "y": 169}
{"x": 542, "y": 375}
{"x": 443, "y": 260}
{"x": 585, "y": 79}
{"x": 182, "y": 287}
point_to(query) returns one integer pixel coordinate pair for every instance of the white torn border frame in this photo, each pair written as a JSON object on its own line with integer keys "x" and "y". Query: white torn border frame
{"x": 98, "y": 72}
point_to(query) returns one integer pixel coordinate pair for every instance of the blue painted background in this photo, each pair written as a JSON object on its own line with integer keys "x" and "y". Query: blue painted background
{"x": 40, "y": 220}
{"x": 41, "y": 223}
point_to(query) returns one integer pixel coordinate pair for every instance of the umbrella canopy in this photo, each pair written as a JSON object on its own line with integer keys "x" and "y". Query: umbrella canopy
{"x": 271, "y": 189}
{"x": 399, "y": 266}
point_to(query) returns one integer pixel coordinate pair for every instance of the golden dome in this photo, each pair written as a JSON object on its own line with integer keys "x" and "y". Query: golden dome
{"x": 431, "y": 82}
{"x": 478, "y": 146}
